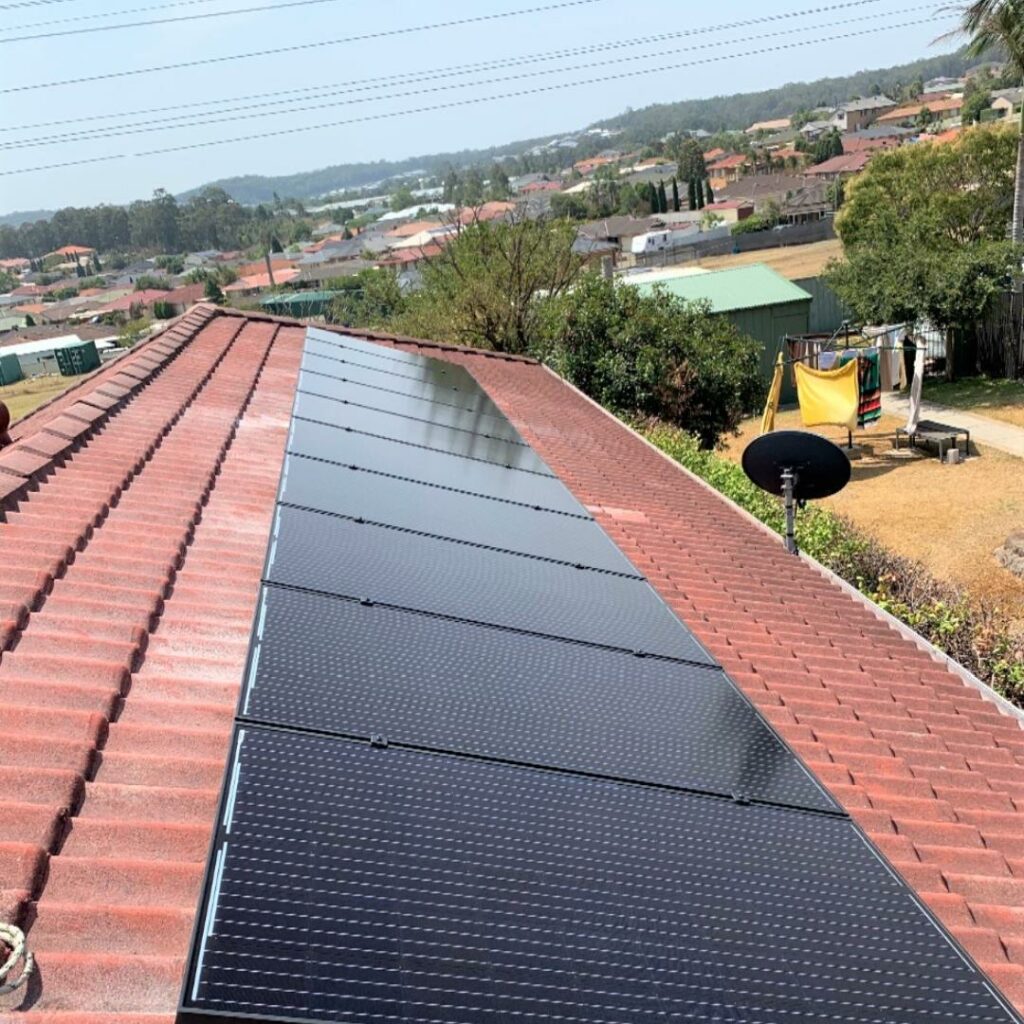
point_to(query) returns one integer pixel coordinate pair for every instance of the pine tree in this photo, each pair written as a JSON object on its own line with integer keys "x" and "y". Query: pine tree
{"x": 692, "y": 194}
{"x": 698, "y": 186}
{"x": 675, "y": 195}
{"x": 708, "y": 192}
{"x": 652, "y": 198}
{"x": 662, "y": 198}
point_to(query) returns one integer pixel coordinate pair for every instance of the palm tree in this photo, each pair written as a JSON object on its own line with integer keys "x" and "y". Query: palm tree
{"x": 1000, "y": 24}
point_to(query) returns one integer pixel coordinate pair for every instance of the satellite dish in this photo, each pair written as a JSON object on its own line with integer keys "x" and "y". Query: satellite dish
{"x": 798, "y": 466}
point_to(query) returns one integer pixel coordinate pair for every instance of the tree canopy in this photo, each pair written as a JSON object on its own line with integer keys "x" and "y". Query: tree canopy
{"x": 924, "y": 230}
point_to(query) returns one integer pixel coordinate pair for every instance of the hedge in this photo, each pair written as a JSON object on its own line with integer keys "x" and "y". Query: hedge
{"x": 972, "y": 632}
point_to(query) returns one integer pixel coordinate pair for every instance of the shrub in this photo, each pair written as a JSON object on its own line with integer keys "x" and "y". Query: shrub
{"x": 971, "y": 632}
{"x": 653, "y": 355}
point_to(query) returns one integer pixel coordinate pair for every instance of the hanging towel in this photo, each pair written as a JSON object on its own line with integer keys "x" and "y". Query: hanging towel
{"x": 827, "y": 397}
{"x": 774, "y": 393}
{"x": 915, "y": 391}
{"x": 888, "y": 362}
{"x": 869, "y": 407}
{"x": 826, "y": 360}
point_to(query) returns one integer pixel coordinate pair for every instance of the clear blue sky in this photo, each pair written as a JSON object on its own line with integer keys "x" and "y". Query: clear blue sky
{"x": 30, "y": 62}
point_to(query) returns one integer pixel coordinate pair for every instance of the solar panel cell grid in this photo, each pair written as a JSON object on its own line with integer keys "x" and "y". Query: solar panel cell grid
{"x": 431, "y": 466}
{"x": 340, "y": 666}
{"x": 370, "y": 884}
{"x": 444, "y": 513}
{"x": 361, "y": 560}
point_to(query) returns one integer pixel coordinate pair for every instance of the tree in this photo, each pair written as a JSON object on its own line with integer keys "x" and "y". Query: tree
{"x": 370, "y": 298}
{"x": 675, "y": 195}
{"x": 490, "y": 282}
{"x": 402, "y": 199}
{"x": 212, "y": 292}
{"x": 8, "y": 282}
{"x": 925, "y": 118}
{"x": 698, "y": 191}
{"x": 653, "y": 355}
{"x": 999, "y": 24}
{"x": 924, "y": 231}
{"x": 708, "y": 191}
{"x": 662, "y": 198}
{"x": 977, "y": 99}
{"x": 691, "y": 194}
{"x": 691, "y": 160}
{"x": 498, "y": 185}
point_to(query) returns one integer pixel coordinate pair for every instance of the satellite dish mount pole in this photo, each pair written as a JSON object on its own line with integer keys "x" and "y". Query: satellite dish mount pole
{"x": 789, "y": 481}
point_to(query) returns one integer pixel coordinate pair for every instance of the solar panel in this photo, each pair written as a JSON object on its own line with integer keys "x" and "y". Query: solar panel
{"x": 413, "y": 406}
{"x": 418, "y": 432}
{"x": 444, "y": 395}
{"x": 374, "y": 349}
{"x": 431, "y": 466}
{"x": 427, "y": 371}
{"x": 339, "y": 666}
{"x": 456, "y": 381}
{"x": 338, "y": 556}
{"x": 411, "y": 506}
{"x": 363, "y": 884}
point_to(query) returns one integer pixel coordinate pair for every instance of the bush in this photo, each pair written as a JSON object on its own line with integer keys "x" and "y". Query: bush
{"x": 653, "y": 355}
{"x": 971, "y": 632}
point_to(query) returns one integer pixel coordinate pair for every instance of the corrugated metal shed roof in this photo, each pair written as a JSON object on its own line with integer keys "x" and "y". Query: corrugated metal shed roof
{"x": 736, "y": 288}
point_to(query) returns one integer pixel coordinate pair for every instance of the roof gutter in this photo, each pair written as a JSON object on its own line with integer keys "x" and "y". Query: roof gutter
{"x": 954, "y": 667}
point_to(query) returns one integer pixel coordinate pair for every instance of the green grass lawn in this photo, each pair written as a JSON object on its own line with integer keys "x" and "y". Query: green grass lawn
{"x": 26, "y": 395}
{"x": 1000, "y": 399}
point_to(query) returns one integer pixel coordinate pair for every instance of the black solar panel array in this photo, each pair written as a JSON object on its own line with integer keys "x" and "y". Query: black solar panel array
{"x": 481, "y": 773}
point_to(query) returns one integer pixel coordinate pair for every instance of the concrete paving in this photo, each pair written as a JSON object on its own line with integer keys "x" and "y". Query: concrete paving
{"x": 984, "y": 430}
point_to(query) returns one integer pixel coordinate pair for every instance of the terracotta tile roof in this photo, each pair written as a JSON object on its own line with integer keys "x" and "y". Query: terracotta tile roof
{"x": 726, "y": 163}
{"x": 845, "y": 163}
{"x": 121, "y": 660}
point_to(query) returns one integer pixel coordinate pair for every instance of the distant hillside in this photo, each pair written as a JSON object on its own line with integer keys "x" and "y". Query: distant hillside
{"x": 638, "y": 126}
{"x": 743, "y": 109}
{"x": 24, "y": 217}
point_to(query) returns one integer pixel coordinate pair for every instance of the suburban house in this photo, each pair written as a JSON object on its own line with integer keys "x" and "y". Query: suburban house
{"x": 942, "y": 108}
{"x": 727, "y": 169}
{"x": 1008, "y": 101}
{"x": 778, "y": 125}
{"x": 842, "y": 166}
{"x": 676, "y": 771}
{"x": 857, "y": 114}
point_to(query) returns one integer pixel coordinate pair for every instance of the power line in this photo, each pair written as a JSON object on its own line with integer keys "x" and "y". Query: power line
{"x": 382, "y": 34}
{"x": 30, "y": 3}
{"x": 160, "y": 21}
{"x": 147, "y": 127}
{"x": 93, "y": 17}
{"x": 455, "y": 70}
{"x": 454, "y": 104}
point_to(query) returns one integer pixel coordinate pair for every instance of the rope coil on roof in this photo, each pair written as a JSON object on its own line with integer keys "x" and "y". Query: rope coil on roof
{"x": 14, "y": 937}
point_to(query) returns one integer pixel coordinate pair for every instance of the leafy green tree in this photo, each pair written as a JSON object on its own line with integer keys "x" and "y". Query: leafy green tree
{"x": 653, "y": 355}
{"x": 999, "y": 24}
{"x": 450, "y": 188}
{"x": 8, "y": 282}
{"x": 212, "y": 291}
{"x": 675, "y": 195}
{"x": 925, "y": 118}
{"x": 498, "y": 184}
{"x": 402, "y": 199}
{"x": 573, "y": 207}
{"x": 690, "y": 158}
{"x": 977, "y": 99}
{"x": 490, "y": 283}
{"x": 370, "y": 298}
{"x": 924, "y": 231}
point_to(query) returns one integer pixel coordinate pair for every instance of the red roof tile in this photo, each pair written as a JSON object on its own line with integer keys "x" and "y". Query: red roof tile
{"x": 121, "y": 661}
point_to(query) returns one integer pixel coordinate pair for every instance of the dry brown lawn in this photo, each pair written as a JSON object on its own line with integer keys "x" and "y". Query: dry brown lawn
{"x": 24, "y": 396}
{"x": 792, "y": 261}
{"x": 951, "y": 518}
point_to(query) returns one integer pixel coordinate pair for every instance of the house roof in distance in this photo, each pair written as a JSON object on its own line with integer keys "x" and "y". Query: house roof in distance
{"x": 868, "y": 103}
{"x": 733, "y": 289}
{"x": 120, "y": 689}
{"x": 845, "y": 163}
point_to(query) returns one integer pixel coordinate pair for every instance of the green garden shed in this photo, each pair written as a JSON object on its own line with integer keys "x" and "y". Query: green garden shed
{"x": 759, "y": 301}
{"x": 10, "y": 369}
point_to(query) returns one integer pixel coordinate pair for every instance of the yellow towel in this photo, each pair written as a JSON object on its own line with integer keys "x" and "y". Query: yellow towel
{"x": 772, "y": 405}
{"x": 828, "y": 396}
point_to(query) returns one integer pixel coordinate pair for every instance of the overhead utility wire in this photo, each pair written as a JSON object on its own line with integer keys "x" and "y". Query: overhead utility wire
{"x": 450, "y": 71}
{"x": 146, "y": 127}
{"x": 455, "y": 104}
{"x": 102, "y": 14}
{"x": 325, "y": 42}
{"x": 29, "y": 3}
{"x": 161, "y": 21}
{"x": 365, "y": 37}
